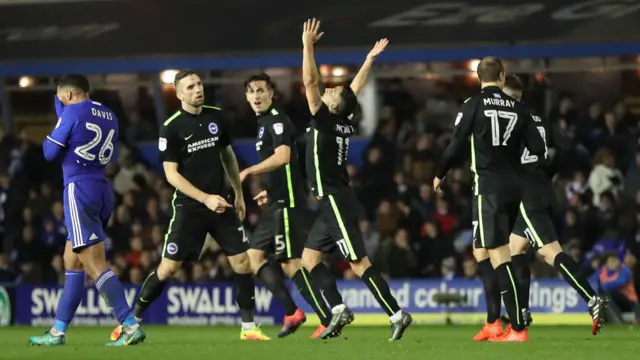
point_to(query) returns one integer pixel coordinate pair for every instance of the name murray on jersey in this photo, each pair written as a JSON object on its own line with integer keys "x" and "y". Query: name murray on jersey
{"x": 202, "y": 144}
{"x": 500, "y": 102}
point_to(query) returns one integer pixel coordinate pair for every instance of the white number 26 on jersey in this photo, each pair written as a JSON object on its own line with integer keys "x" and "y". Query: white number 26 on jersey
{"x": 106, "y": 150}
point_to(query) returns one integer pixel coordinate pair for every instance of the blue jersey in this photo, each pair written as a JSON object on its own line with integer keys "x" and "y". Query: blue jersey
{"x": 85, "y": 136}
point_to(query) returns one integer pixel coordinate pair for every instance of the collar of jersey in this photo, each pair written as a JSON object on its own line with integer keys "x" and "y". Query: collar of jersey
{"x": 492, "y": 87}
{"x": 268, "y": 112}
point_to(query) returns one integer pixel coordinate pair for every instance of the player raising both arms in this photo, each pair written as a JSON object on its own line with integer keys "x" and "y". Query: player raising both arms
{"x": 534, "y": 226}
{"x": 495, "y": 125}
{"x": 84, "y": 138}
{"x": 195, "y": 150}
{"x": 284, "y": 228}
{"x": 337, "y": 224}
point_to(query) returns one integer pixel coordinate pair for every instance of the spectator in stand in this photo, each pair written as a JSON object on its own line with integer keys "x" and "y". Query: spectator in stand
{"x": 420, "y": 163}
{"x": 371, "y": 238}
{"x": 123, "y": 181}
{"x": 447, "y": 219}
{"x": 432, "y": 249}
{"x": 470, "y": 268}
{"x": 139, "y": 129}
{"x": 605, "y": 176}
{"x": 396, "y": 257}
{"x": 387, "y": 219}
{"x": 616, "y": 282}
{"x": 372, "y": 183}
{"x": 7, "y": 275}
{"x": 632, "y": 178}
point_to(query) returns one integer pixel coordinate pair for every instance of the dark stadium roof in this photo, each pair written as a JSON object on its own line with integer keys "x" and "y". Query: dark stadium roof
{"x": 39, "y": 30}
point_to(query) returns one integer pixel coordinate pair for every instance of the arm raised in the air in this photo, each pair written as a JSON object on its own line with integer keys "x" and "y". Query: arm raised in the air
{"x": 310, "y": 77}
{"x": 361, "y": 78}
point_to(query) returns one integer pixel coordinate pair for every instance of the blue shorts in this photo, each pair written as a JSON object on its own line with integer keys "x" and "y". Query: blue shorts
{"x": 88, "y": 205}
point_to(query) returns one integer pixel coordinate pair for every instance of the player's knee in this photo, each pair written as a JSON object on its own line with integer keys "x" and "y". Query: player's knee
{"x": 517, "y": 244}
{"x": 499, "y": 255}
{"x": 257, "y": 259}
{"x": 550, "y": 251}
{"x": 290, "y": 267}
{"x": 240, "y": 263}
{"x": 71, "y": 260}
{"x": 360, "y": 266}
{"x": 167, "y": 268}
{"x": 311, "y": 258}
{"x": 480, "y": 254}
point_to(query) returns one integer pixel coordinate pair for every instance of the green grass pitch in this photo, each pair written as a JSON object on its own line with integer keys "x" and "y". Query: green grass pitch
{"x": 366, "y": 343}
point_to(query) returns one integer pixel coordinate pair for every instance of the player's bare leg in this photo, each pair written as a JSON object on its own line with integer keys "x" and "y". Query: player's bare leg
{"x": 245, "y": 296}
{"x": 93, "y": 260}
{"x": 493, "y": 325}
{"x": 509, "y": 286}
{"x": 69, "y": 300}
{"x": 151, "y": 289}
{"x": 341, "y": 315}
{"x": 518, "y": 247}
{"x": 273, "y": 280}
{"x": 569, "y": 269}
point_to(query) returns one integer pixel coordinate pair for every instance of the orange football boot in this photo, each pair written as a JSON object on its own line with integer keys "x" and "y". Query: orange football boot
{"x": 511, "y": 336}
{"x": 489, "y": 330}
{"x": 318, "y": 332}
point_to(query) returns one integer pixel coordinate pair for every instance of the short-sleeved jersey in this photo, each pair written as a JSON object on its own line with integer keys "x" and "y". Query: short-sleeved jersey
{"x": 284, "y": 185}
{"x": 195, "y": 141}
{"x": 326, "y": 152}
{"x": 496, "y": 126}
{"x": 536, "y": 167}
{"x": 88, "y": 131}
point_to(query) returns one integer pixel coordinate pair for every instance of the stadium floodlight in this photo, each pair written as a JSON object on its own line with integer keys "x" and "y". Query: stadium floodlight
{"x": 338, "y": 71}
{"x": 473, "y": 65}
{"x": 325, "y": 70}
{"x": 26, "y": 81}
{"x": 168, "y": 76}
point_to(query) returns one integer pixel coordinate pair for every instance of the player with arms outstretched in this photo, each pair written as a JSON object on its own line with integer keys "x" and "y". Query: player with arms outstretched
{"x": 84, "y": 138}
{"x": 283, "y": 230}
{"x": 337, "y": 224}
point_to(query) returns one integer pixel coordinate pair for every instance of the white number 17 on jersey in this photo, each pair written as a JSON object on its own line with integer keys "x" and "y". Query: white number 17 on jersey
{"x": 495, "y": 117}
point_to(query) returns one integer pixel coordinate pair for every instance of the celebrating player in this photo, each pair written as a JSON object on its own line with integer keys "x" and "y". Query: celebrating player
{"x": 285, "y": 227}
{"x": 496, "y": 126}
{"x": 195, "y": 150}
{"x": 534, "y": 226}
{"x": 337, "y": 223}
{"x": 84, "y": 137}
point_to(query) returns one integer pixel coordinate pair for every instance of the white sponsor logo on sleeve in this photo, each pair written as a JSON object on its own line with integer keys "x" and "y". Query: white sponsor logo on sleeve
{"x": 162, "y": 144}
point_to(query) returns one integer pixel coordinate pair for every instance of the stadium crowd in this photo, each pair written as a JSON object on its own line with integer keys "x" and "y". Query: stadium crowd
{"x": 409, "y": 232}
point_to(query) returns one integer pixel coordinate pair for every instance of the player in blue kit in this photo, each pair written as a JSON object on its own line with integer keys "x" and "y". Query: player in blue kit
{"x": 84, "y": 140}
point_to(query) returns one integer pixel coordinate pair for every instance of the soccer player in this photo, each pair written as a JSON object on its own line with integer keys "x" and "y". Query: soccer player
{"x": 195, "y": 150}
{"x": 285, "y": 227}
{"x": 84, "y": 139}
{"x": 337, "y": 224}
{"x": 496, "y": 125}
{"x": 534, "y": 225}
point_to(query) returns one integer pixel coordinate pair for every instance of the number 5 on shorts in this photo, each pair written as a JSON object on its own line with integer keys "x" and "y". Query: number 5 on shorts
{"x": 280, "y": 245}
